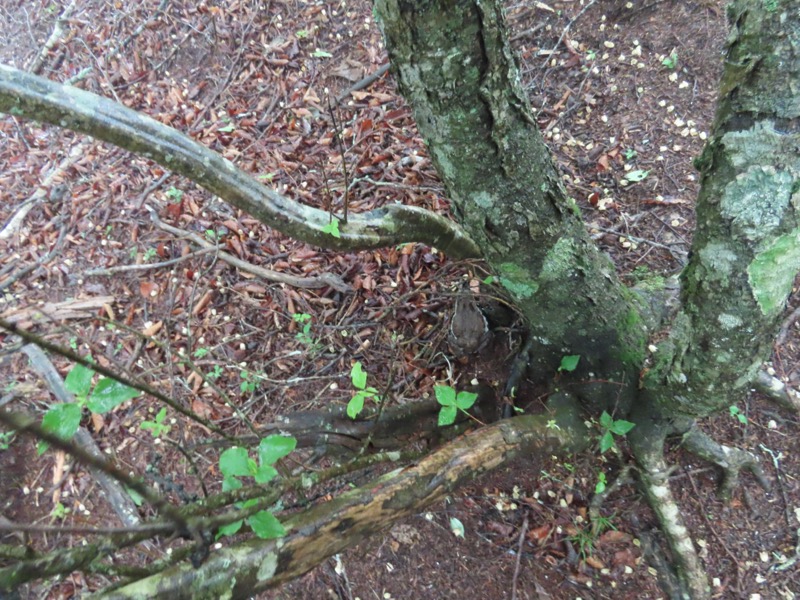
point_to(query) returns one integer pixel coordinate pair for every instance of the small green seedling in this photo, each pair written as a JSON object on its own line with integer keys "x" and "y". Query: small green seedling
{"x": 304, "y": 336}
{"x": 248, "y": 384}
{"x": 671, "y": 61}
{"x": 235, "y": 463}
{"x": 174, "y": 194}
{"x": 569, "y": 363}
{"x": 452, "y": 402}
{"x": 201, "y": 352}
{"x": 157, "y": 427}
{"x": 601, "y": 483}
{"x": 6, "y": 437}
{"x": 630, "y": 153}
{"x": 321, "y": 54}
{"x": 738, "y": 414}
{"x": 359, "y": 378}
{"x": 215, "y": 373}
{"x": 59, "y": 511}
{"x": 611, "y": 428}
{"x": 63, "y": 419}
{"x": 332, "y": 228}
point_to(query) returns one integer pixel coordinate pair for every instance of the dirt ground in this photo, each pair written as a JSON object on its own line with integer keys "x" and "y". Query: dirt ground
{"x": 625, "y": 95}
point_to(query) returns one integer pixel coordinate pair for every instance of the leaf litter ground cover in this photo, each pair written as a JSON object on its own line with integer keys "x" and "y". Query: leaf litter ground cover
{"x": 624, "y": 94}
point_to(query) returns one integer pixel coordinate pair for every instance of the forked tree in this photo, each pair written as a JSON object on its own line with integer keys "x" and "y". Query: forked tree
{"x": 661, "y": 357}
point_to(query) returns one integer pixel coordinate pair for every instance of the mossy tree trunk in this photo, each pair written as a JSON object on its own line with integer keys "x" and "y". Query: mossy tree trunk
{"x": 454, "y": 65}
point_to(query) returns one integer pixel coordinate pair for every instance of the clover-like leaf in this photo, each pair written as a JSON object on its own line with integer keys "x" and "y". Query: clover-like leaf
{"x": 447, "y": 415}
{"x": 79, "y": 381}
{"x": 445, "y": 395}
{"x": 358, "y": 376}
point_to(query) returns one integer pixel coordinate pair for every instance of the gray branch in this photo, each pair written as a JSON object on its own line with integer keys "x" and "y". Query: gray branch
{"x": 33, "y": 97}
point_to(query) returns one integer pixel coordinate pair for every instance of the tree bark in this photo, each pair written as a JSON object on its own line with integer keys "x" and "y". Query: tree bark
{"x": 241, "y": 570}
{"x": 454, "y": 65}
{"x": 746, "y": 250}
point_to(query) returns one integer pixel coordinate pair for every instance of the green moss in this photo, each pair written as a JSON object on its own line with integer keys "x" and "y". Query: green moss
{"x": 517, "y": 281}
{"x": 772, "y": 272}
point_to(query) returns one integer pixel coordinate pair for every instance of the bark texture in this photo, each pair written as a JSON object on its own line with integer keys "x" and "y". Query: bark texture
{"x": 746, "y": 249}
{"x": 454, "y": 65}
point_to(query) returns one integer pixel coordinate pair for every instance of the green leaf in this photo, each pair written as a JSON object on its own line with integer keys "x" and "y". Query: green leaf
{"x": 62, "y": 420}
{"x": 446, "y": 395}
{"x": 321, "y": 54}
{"x": 109, "y": 394}
{"x": 79, "y": 381}
{"x": 230, "y": 528}
{"x": 274, "y": 447}
{"x": 490, "y": 280}
{"x": 332, "y": 228}
{"x": 465, "y": 400}
{"x": 606, "y": 421}
{"x": 137, "y": 498}
{"x": 358, "y": 376}
{"x": 457, "y": 527}
{"x": 265, "y": 474}
{"x": 356, "y": 405}
{"x": 606, "y": 442}
{"x": 235, "y": 462}
{"x": 636, "y": 175}
{"x": 569, "y": 363}
{"x": 600, "y": 487}
{"x": 447, "y": 415}
{"x": 621, "y": 427}
{"x": 227, "y": 129}
{"x": 230, "y": 483}
{"x": 266, "y": 526}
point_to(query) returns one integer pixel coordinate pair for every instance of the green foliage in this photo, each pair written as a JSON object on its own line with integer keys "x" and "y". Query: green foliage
{"x": 63, "y": 419}
{"x": 452, "y": 402}
{"x": 629, "y": 153}
{"x": 586, "y": 537}
{"x": 359, "y": 379}
{"x": 59, "y": 511}
{"x": 671, "y": 61}
{"x": 149, "y": 255}
{"x": 321, "y": 54}
{"x": 236, "y": 462}
{"x": 636, "y": 175}
{"x": 601, "y": 483}
{"x": 304, "y": 336}
{"x": 174, "y": 194}
{"x": 738, "y": 414}
{"x": 6, "y": 437}
{"x": 611, "y": 428}
{"x": 332, "y": 228}
{"x": 201, "y": 353}
{"x": 157, "y": 427}
{"x": 215, "y": 373}
{"x": 569, "y": 363}
{"x": 248, "y": 384}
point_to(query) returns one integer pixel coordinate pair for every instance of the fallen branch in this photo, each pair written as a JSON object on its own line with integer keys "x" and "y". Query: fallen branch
{"x": 29, "y": 96}
{"x": 319, "y": 281}
{"x": 247, "y": 568}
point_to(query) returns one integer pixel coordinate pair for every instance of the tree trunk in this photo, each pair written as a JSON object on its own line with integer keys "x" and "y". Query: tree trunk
{"x": 454, "y": 65}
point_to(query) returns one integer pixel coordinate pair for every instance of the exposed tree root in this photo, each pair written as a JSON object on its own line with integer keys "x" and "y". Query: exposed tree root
{"x": 647, "y": 443}
{"x": 730, "y": 460}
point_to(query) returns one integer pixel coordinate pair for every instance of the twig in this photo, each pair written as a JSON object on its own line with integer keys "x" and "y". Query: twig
{"x": 319, "y": 281}
{"x": 147, "y": 266}
{"x": 361, "y": 84}
{"x": 15, "y": 222}
{"x": 55, "y": 37}
{"x": 522, "y": 533}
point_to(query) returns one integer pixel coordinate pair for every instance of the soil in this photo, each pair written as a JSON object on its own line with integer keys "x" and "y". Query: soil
{"x": 625, "y": 96}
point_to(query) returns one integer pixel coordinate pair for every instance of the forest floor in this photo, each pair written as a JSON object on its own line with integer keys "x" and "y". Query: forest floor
{"x": 625, "y": 94}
